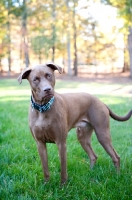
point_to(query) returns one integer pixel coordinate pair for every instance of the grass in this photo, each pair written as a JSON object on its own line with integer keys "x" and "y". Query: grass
{"x": 21, "y": 176}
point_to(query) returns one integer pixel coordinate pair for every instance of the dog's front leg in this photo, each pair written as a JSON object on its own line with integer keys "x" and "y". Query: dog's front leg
{"x": 44, "y": 159}
{"x": 63, "y": 162}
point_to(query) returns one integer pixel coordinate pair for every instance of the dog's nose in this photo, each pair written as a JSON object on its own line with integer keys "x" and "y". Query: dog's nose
{"x": 47, "y": 89}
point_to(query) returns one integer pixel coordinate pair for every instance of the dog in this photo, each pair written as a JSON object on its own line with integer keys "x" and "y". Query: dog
{"x": 52, "y": 115}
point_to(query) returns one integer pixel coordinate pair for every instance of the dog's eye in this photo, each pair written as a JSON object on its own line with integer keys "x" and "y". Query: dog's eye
{"x": 36, "y": 79}
{"x": 48, "y": 75}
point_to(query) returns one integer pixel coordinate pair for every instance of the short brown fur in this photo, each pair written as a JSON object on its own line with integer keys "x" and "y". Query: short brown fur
{"x": 80, "y": 110}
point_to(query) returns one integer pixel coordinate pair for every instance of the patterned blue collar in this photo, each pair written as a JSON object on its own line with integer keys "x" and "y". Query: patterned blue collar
{"x": 44, "y": 107}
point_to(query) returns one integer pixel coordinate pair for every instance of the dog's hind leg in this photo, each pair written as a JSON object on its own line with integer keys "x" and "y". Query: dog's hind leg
{"x": 84, "y": 137}
{"x": 103, "y": 136}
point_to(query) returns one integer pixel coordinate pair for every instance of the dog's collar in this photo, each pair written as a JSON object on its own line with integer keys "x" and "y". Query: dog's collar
{"x": 44, "y": 107}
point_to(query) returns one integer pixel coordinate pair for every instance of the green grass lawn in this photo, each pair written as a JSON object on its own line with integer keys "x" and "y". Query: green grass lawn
{"x": 21, "y": 174}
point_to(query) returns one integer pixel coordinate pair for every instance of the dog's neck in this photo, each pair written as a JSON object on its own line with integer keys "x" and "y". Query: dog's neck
{"x": 44, "y": 107}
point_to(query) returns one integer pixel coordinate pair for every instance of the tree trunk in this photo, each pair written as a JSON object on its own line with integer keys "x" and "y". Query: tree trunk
{"x": 53, "y": 53}
{"x": 130, "y": 49}
{"x": 20, "y": 53}
{"x": 39, "y": 55}
{"x": 95, "y": 49}
{"x": 9, "y": 41}
{"x": 0, "y": 66}
{"x": 125, "y": 64}
{"x": 68, "y": 42}
{"x": 75, "y": 43}
{"x": 24, "y": 34}
{"x": 53, "y": 30}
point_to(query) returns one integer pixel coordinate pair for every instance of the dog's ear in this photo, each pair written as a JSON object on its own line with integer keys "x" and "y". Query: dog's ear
{"x": 24, "y": 74}
{"x": 54, "y": 67}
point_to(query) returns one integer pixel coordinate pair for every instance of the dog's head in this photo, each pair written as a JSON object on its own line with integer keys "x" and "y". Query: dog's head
{"x": 42, "y": 80}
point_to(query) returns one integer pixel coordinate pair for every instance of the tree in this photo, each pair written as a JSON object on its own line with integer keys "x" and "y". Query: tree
{"x": 2, "y": 33}
{"x": 75, "y": 39}
{"x": 125, "y": 11}
{"x": 53, "y": 29}
{"x": 24, "y": 32}
{"x": 130, "y": 48}
{"x": 6, "y": 22}
{"x": 68, "y": 39}
{"x": 56, "y": 31}
{"x": 14, "y": 9}
{"x": 9, "y": 4}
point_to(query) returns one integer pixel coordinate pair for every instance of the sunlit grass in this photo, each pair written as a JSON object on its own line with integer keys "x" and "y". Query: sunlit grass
{"x": 21, "y": 176}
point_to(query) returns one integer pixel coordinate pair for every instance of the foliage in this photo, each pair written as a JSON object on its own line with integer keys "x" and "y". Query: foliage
{"x": 41, "y": 30}
{"x": 124, "y": 7}
{"x": 125, "y": 11}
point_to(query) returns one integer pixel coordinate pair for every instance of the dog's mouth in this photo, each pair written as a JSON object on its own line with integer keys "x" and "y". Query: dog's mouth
{"x": 47, "y": 97}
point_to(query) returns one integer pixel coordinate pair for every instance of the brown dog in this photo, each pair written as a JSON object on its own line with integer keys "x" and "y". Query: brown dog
{"x": 52, "y": 115}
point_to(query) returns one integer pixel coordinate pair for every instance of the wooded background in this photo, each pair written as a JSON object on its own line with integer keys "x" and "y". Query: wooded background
{"x": 36, "y": 31}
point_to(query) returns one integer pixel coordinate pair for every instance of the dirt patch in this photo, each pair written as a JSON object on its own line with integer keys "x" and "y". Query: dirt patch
{"x": 82, "y": 77}
{"x": 102, "y": 78}
{"x": 110, "y": 82}
{"x": 6, "y": 75}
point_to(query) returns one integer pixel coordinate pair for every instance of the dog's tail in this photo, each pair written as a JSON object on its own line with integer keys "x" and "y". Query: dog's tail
{"x": 120, "y": 118}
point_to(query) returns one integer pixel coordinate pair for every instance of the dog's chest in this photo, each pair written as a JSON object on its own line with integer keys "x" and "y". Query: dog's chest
{"x": 43, "y": 128}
